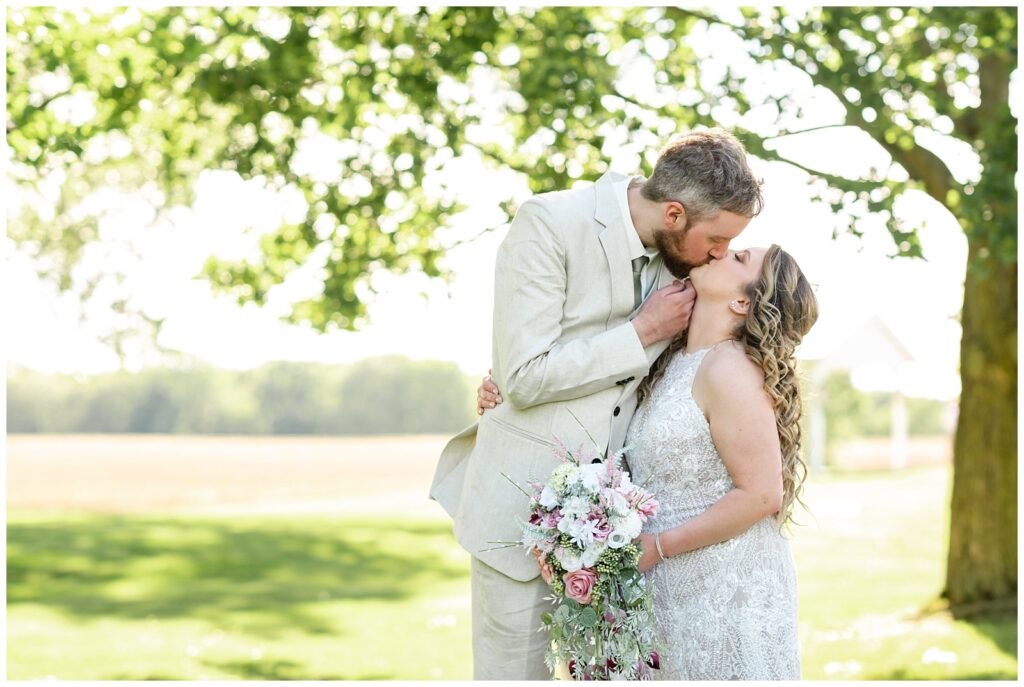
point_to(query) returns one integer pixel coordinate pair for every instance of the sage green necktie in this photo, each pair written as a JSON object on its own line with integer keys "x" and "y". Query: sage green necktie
{"x": 638, "y": 287}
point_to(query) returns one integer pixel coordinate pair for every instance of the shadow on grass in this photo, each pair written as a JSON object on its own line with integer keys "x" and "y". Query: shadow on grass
{"x": 141, "y": 677}
{"x": 904, "y": 674}
{"x": 997, "y": 620}
{"x": 276, "y": 669}
{"x": 263, "y": 577}
{"x": 1003, "y": 634}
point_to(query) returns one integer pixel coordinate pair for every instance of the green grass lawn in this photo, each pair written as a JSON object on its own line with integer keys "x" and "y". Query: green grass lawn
{"x": 330, "y": 597}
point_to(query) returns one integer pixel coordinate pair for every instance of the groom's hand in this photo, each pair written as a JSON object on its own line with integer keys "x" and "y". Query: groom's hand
{"x": 665, "y": 313}
{"x": 547, "y": 573}
{"x": 487, "y": 395}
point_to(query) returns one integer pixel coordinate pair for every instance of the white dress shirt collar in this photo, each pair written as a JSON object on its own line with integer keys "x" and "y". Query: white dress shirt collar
{"x": 636, "y": 247}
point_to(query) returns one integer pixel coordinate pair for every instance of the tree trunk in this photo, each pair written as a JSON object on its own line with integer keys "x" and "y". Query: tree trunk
{"x": 982, "y": 563}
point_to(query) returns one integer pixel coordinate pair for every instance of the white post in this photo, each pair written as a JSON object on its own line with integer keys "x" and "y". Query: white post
{"x": 818, "y": 428}
{"x": 899, "y": 442}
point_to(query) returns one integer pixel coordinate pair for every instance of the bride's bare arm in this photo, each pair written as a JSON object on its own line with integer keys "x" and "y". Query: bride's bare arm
{"x": 730, "y": 390}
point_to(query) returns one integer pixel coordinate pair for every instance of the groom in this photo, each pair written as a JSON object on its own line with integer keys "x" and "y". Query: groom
{"x": 584, "y": 302}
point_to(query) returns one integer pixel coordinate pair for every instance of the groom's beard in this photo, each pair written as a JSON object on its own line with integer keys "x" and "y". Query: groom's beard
{"x": 673, "y": 258}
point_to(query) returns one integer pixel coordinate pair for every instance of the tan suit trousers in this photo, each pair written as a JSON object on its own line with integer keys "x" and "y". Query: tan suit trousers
{"x": 506, "y": 616}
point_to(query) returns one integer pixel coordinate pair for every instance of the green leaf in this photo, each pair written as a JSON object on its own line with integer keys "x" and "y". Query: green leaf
{"x": 588, "y": 617}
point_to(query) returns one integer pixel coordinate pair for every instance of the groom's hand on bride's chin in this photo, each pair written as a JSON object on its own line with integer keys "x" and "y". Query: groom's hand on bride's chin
{"x": 665, "y": 313}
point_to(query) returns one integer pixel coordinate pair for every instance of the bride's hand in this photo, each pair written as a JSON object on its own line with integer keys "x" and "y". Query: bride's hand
{"x": 648, "y": 552}
{"x": 487, "y": 395}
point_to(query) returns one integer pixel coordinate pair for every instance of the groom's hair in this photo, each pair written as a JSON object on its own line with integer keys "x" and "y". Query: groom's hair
{"x": 706, "y": 171}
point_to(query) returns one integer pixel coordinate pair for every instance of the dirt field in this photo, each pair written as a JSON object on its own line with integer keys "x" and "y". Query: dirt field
{"x": 139, "y": 473}
{"x": 874, "y": 454}
{"x": 157, "y": 473}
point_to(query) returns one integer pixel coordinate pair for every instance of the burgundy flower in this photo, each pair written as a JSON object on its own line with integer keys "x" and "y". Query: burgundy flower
{"x": 654, "y": 660}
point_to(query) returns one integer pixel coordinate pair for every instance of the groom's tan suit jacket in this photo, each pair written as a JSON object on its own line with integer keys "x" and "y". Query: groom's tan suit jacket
{"x": 562, "y": 343}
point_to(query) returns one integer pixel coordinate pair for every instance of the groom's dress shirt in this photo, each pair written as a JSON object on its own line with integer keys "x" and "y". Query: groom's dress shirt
{"x": 636, "y": 248}
{"x": 564, "y": 347}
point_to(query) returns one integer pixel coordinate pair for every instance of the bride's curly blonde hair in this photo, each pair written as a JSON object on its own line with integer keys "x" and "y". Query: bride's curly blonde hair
{"x": 782, "y": 309}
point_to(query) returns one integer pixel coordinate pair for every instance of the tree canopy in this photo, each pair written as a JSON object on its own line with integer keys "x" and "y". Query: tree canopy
{"x": 172, "y": 92}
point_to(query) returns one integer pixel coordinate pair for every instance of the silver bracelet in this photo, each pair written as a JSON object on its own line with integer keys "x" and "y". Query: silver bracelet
{"x": 657, "y": 544}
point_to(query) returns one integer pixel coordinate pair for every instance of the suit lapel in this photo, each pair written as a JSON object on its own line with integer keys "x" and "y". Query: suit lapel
{"x": 613, "y": 240}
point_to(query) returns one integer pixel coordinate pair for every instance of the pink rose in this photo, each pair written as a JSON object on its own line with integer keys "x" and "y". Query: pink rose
{"x": 552, "y": 519}
{"x": 580, "y": 584}
{"x": 602, "y": 528}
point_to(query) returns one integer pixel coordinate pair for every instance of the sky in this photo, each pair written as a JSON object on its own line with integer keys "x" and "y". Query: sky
{"x": 918, "y": 300}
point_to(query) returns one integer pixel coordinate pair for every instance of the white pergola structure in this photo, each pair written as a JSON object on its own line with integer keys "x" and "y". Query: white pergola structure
{"x": 872, "y": 343}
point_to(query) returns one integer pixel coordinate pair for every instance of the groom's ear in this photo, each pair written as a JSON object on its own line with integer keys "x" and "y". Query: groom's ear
{"x": 675, "y": 215}
{"x": 740, "y": 306}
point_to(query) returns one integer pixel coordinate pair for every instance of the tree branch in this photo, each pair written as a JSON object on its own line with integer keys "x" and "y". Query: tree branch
{"x": 804, "y": 131}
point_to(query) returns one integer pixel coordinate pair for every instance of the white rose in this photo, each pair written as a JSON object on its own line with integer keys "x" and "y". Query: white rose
{"x": 632, "y": 525}
{"x": 617, "y": 503}
{"x": 592, "y": 553}
{"x": 589, "y": 475}
{"x": 576, "y": 506}
{"x": 570, "y": 560}
{"x": 548, "y": 498}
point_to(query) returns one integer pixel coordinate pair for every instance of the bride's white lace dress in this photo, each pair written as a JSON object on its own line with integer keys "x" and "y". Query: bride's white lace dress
{"x": 726, "y": 611}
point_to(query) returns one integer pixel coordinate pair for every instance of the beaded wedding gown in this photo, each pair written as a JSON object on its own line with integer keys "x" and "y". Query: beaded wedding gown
{"x": 726, "y": 611}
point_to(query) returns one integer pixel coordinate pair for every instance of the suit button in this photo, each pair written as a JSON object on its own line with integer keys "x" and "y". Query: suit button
{"x": 616, "y": 411}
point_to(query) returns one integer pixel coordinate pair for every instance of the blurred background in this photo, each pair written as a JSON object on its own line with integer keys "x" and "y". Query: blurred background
{"x": 249, "y": 269}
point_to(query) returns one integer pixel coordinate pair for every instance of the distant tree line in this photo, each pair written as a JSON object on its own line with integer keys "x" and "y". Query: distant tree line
{"x": 387, "y": 395}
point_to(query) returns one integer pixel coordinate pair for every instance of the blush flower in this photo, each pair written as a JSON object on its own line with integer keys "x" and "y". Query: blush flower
{"x": 580, "y": 584}
{"x": 552, "y": 519}
{"x": 648, "y": 508}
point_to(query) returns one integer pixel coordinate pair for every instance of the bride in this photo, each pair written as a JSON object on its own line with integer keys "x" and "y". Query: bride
{"x": 716, "y": 437}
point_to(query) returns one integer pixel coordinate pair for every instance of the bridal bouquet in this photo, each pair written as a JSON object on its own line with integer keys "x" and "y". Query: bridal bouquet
{"x": 582, "y": 523}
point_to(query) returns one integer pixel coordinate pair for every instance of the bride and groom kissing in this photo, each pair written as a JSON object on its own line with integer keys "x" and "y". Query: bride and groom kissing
{"x": 620, "y": 304}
